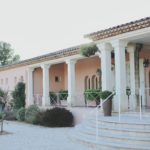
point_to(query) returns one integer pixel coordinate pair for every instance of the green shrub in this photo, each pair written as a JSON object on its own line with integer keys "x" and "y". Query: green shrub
{"x": 105, "y": 94}
{"x": 92, "y": 94}
{"x": 10, "y": 115}
{"x": 63, "y": 94}
{"x": 30, "y": 114}
{"x": 1, "y": 115}
{"x": 53, "y": 97}
{"x": 19, "y": 96}
{"x": 4, "y": 95}
{"x": 21, "y": 114}
{"x": 56, "y": 117}
{"x": 88, "y": 50}
{"x": 39, "y": 118}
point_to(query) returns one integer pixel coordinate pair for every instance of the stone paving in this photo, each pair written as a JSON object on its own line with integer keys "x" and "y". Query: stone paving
{"x": 30, "y": 137}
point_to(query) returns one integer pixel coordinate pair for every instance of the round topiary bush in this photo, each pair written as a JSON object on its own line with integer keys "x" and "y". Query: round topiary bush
{"x": 30, "y": 114}
{"x": 21, "y": 114}
{"x": 56, "y": 117}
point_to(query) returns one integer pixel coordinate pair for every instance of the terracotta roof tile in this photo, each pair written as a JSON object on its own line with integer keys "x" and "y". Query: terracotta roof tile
{"x": 119, "y": 29}
{"x": 53, "y": 55}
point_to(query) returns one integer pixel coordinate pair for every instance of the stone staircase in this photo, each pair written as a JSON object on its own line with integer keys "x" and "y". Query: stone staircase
{"x": 130, "y": 133}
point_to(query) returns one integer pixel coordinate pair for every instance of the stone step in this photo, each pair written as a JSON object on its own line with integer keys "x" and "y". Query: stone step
{"x": 115, "y": 130}
{"x": 105, "y": 145}
{"x": 125, "y": 122}
{"x": 122, "y": 139}
{"x": 128, "y": 133}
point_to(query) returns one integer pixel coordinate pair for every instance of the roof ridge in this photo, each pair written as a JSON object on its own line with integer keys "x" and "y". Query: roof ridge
{"x": 117, "y": 27}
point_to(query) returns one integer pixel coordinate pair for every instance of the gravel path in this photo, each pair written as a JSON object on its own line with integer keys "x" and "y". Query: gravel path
{"x": 30, "y": 137}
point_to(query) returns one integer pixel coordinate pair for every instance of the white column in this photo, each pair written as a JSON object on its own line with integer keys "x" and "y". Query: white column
{"x": 71, "y": 82}
{"x": 120, "y": 72}
{"x": 45, "y": 98}
{"x": 133, "y": 100}
{"x": 113, "y": 77}
{"x": 30, "y": 86}
{"x": 106, "y": 66}
{"x": 142, "y": 81}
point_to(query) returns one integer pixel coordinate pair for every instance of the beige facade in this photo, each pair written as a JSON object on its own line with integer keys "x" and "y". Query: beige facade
{"x": 121, "y": 62}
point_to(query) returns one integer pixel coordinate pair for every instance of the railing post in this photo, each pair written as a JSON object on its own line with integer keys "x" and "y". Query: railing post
{"x": 119, "y": 108}
{"x": 96, "y": 124}
{"x": 140, "y": 104}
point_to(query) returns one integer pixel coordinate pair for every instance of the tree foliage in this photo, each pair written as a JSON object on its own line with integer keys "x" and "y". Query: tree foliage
{"x": 7, "y": 55}
{"x": 88, "y": 50}
{"x": 19, "y": 96}
{"x": 3, "y": 98}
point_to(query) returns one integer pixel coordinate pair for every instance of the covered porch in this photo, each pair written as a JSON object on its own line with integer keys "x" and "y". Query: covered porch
{"x": 73, "y": 74}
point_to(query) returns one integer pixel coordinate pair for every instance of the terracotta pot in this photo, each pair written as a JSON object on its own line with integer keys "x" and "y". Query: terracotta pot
{"x": 91, "y": 103}
{"x": 63, "y": 102}
{"x": 107, "y": 107}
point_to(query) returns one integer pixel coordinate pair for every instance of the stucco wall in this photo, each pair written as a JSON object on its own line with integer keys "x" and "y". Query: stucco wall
{"x": 85, "y": 67}
{"x": 9, "y": 78}
{"x": 37, "y": 81}
{"x": 55, "y": 70}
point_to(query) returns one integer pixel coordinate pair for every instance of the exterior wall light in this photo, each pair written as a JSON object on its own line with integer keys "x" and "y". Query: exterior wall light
{"x": 146, "y": 63}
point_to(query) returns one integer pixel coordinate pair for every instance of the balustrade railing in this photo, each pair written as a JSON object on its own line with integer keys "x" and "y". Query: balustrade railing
{"x": 38, "y": 99}
{"x": 88, "y": 99}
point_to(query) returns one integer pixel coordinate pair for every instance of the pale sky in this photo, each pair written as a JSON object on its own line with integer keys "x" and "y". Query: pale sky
{"x": 36, "y": 27}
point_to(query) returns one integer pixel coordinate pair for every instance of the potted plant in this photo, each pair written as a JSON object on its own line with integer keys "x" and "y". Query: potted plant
{"x": 92, "y": 97}
{"x": 53, "y": 98}
{"x": 63, "y": 94}
{"x": 107, "y": 105}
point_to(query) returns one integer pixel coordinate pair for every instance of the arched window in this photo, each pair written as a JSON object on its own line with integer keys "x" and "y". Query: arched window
{"x": 94, "y": 82}
{"x": 87, "y": 83}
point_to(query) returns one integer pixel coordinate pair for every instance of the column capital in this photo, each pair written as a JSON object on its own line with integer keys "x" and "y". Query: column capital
{"x": 131, "y": 48}
{"x": 30, "y": 69}
{"x": 98, "y": 54}
{"x": 47, "y": 66}
{"x": 119, "y": 43}
{"x": 104, "y": 46}
{"x": 71, "y": 61}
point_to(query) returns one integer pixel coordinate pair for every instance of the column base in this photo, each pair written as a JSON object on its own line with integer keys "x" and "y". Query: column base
{"x": 45, "y": 101}
{"x": 30, "y": 101}
{"x": 133, "y": 102}
{"x": 123, "y": 103}
{"x": 71, "y": 101}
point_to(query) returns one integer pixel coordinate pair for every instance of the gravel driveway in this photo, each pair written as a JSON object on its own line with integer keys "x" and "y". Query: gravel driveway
{"x": 30, "y": 137}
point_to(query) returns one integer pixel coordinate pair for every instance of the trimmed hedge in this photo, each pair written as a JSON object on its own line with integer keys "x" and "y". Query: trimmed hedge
{"x": 55, "y": 117}
{"x": 63, "y": 94}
